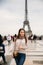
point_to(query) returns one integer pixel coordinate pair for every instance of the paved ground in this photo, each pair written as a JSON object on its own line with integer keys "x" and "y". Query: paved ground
{"x": 34, "y": 54}
{"x": 29, "y": 61}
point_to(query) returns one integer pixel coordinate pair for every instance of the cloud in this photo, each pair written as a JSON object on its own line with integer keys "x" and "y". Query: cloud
{"x": 12, "y": 16}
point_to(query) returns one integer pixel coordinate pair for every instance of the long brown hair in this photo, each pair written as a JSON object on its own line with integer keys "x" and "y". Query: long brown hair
{"x": 24, "y": 34}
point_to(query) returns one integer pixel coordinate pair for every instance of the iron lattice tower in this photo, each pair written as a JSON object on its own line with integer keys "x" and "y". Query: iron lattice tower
{"x": 26, "y": 22}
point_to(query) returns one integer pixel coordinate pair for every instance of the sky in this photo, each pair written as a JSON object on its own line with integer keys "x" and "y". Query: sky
{"x": 12, "y": 16}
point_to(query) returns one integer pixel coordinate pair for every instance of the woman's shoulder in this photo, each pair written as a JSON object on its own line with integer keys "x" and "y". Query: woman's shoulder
{"x": 17, "y": 40}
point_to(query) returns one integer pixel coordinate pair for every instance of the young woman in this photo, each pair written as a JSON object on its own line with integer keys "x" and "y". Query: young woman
{"x": 21, "y": 45}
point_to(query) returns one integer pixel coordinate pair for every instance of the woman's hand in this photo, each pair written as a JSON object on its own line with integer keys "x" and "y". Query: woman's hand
{"x": 21, "y": 47}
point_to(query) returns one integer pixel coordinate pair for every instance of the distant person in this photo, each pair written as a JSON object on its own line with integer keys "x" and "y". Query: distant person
{"x": 12, "y": 38}
{"x": 5, "y": 42}
{"x": 40, "y": 38}
{"x": 35, "y": 38}
{"x": 31, "y": 38}
{"x": 15, "y": 37}
{"x": 20, "y": 47}
{"x": 2, "y": 49}
{"x": 9, "y": 38}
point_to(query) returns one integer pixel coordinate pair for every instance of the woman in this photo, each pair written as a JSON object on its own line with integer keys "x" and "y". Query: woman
{"x": 21, "y": 45}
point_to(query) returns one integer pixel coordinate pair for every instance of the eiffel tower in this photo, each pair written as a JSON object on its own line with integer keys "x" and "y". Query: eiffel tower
{"x": 26, "y": 25}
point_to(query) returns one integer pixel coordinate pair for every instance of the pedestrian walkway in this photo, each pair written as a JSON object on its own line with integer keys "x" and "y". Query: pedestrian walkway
{"x": 34, "y": 54}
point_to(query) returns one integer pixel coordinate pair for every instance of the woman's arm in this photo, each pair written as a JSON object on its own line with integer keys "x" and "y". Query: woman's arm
{"x": 23, "y": 47}
{"x": 19, "y": 45}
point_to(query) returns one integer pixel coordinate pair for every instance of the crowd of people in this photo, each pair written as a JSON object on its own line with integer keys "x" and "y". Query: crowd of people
{"x": 35, "y": 37}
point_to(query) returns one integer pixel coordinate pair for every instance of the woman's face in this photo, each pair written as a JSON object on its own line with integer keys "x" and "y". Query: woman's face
{"x": 22, "y": 33}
